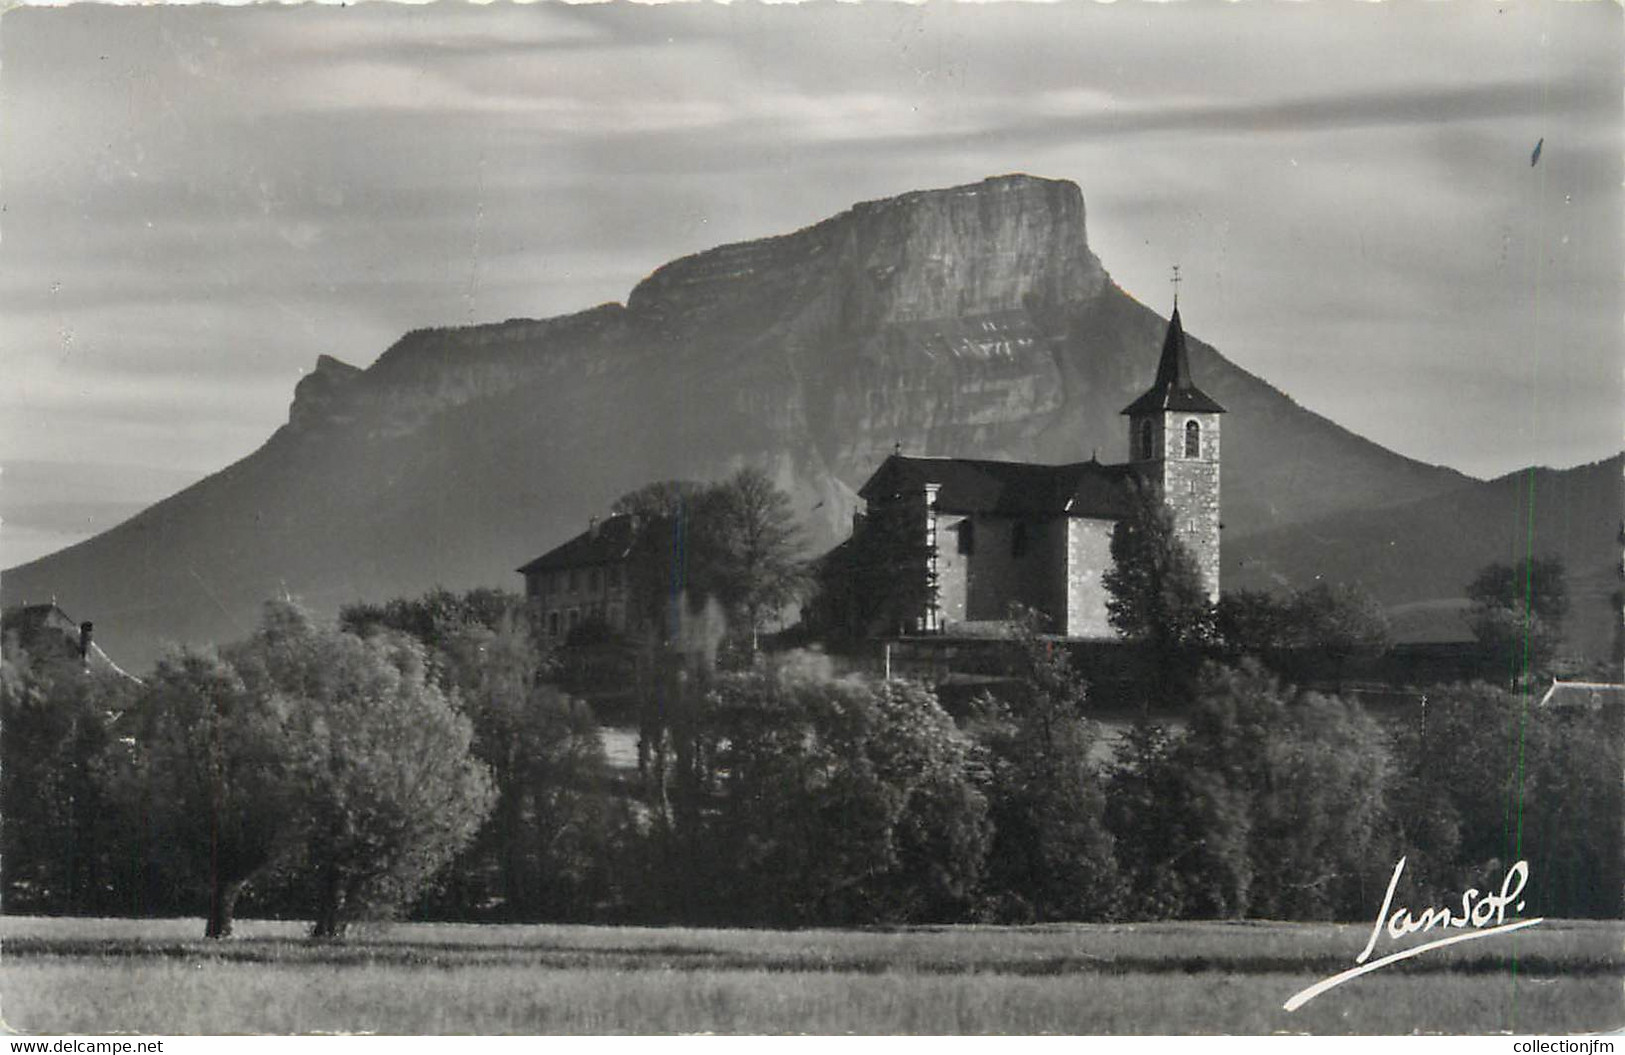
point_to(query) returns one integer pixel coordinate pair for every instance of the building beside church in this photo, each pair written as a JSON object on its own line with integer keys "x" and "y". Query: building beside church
{"x": 588, "y": 579}
{"x": 48, "y": 635}
{"x": 996, "y": 533}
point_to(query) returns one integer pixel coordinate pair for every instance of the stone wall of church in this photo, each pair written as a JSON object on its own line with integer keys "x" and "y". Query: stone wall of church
{"x": 1190, "y": 487}
{"x": 952, "y": 569}
{"x": 1000, "y": 571}
{"x": 1088, "y": 555}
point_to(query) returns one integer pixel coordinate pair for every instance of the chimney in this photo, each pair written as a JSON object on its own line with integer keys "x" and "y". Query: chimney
{"x": 592, "y": 527}
{"x": 84, "y": 641}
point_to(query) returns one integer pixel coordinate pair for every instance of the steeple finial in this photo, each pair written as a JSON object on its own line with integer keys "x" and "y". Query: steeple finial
{"x": 1175, "y": 281}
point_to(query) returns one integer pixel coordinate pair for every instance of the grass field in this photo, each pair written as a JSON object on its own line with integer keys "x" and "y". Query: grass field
{"x": 146, "y": 976}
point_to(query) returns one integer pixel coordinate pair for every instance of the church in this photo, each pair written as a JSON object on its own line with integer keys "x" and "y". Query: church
{"x": 993, "y": 533}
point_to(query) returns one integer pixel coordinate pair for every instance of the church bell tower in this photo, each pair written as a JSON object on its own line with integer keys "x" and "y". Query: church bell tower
{"x": 1174, "y": 443}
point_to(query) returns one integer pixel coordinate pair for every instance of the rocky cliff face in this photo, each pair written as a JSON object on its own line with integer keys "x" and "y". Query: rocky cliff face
{"x": 319, "y": 398}
{"x": 929, "y": 311}
{"x": 1002, "y": 245}
{"x": 969, "y": 321}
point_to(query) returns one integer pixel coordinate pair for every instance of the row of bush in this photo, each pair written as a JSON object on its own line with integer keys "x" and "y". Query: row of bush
{"x": 417, "y": 760}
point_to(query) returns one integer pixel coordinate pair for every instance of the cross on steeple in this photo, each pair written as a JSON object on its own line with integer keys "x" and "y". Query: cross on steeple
{"x": 1175, "y": 280}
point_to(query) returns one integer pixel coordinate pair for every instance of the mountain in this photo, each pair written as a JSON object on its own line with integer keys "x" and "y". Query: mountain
{"x": 1418, "y": 557}
{"x": 970, "y": 321}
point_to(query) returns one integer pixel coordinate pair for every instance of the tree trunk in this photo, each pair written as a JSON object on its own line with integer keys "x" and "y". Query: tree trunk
{"x": 222, "y": 908}
{"x": 327, "y": 919}
{"x": 327, "y": 923}
{"x": 513, "y": 852}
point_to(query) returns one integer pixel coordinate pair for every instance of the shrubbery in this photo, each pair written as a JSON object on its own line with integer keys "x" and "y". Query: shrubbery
{"x": 819, "y": 800}
{"x": 337, "y": 775}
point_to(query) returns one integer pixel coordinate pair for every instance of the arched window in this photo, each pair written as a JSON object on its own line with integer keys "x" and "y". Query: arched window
{"x": 1193, "y": 440}
{"x": 1145, "y": 440}
{"x": 967, "y": 537}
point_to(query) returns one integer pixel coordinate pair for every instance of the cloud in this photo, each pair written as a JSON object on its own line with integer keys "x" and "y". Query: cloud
{"x": 207, "y": 198}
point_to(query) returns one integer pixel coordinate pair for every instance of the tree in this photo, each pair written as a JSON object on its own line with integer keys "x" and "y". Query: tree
{"x": 1338, "y": 619}
{"x": 1311, "y": 771}
{"x": 1252, "y": 623}
{"x": 215, "y": 767}
{"x": 758, "y": 548}
{"x": 736, "y": 541}
{"x": 1333, "y": 624}
{"x": 836, "y": 801}
{"x": 544, "y": 841}
{"x": 545, "y": 754}
{"x": 1518, "y": 610}
{"x": 1486, "y": 778}
{"x": 1155, "y": 592}
{"x": 1155, "y": 587}
{"x": 1568, "y": 822}
{"x": 388, "y": 789}
{"x": 1052, "y": 855}
{"x": 664, "y": 499}
{"x": 57, "y": 758}
{"x": 439, "y": 615}
{"x": 1311, "y": 635}
{"x": 1320, "y": 843}
{"x": 1272, "y": 803}
{"x": 1181, "y": 839}
{"x": 879, "y": 580}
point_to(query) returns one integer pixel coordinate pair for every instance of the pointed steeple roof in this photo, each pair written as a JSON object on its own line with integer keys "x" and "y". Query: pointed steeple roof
{"x": 1174, "y": 389}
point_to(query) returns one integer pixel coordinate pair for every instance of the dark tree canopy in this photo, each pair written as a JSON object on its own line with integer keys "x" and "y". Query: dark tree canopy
{"x": 60, "y": 756}
{"x": 1490, "y": 778}
{"x": 1313, "y": 634}
{"x": 842, "y": 801}
{"x": 658, "y": 500}
{"x": 388, "y": 789}
{"x": 758, "y": 548}
{"x": 546, "y": 833}
{"x": 1538, "y": 585}
{"x": 736, "y": 541}
{"x": 1338, "y": 620}
{"x": 1052, "y": 855}
{"x": 1155, "y": 588}
{"x": 434, "y": 616}
{"x": 329, "y": 761}
{"x": 1252, "y": 623}
{"x": 218, "y": 766}
{"x": 1518, "y": 611}
{"x": 879, "y": 580}
{"x": 1271, "y": 803}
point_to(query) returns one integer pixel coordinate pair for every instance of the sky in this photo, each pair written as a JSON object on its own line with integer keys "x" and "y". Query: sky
{"x": 196, "y": 202}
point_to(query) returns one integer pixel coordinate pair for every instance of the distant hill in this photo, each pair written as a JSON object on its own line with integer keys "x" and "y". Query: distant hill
{"x": 971, "y": 321}
{"x": 1419, "y": 556}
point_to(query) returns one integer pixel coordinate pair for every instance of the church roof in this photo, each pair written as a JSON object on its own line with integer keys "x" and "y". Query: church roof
{"x": 1174, "y": 389}
{"x": 604, "y": 543}
{"x": 30, "y": 622}
{"x": 975, "y": 485}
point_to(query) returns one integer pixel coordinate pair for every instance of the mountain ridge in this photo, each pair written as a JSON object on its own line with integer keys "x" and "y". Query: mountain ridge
{"x": 971, "y": 321}
{"x": 1417, "y": 552}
